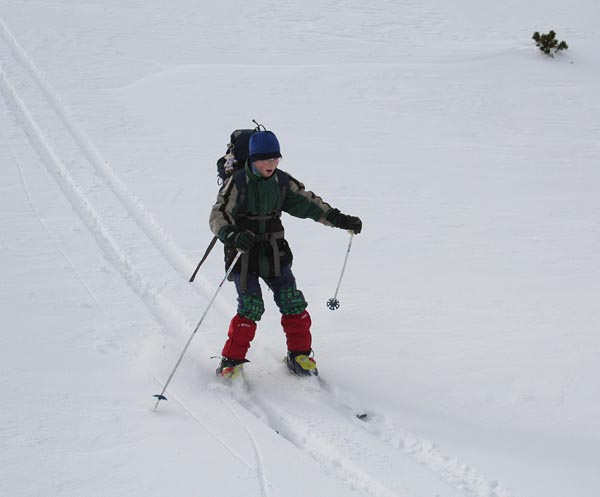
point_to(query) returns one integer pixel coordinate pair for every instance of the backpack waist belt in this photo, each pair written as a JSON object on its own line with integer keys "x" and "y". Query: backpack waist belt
{"x": 265, "y": 237}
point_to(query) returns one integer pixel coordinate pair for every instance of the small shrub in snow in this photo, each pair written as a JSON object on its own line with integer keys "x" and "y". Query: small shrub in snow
{"x": 548, "y": 42}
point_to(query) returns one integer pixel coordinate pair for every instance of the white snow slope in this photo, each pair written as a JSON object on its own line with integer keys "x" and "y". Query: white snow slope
{"x": 468, "y": 326}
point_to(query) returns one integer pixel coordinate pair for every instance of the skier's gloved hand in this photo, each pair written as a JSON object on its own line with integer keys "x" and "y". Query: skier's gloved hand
{"x": 351, "y": 223}
{"x": 227, "y": 234}
{"x": 244, "y": 240}
{"x": 233, "y": 237}
{"x": 343, "y": 221}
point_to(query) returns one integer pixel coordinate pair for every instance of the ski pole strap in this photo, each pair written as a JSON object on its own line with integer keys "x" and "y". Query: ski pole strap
{"x": 245, "y": 259}
{"x": 208, "y": 250}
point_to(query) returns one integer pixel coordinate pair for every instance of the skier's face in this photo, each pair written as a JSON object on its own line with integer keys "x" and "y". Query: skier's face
{"x": 266, "y": 167}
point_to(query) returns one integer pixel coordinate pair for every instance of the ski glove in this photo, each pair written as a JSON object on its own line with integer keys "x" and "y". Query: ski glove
{"x": 343, "y": 221}
{"x": 241, "y": 240}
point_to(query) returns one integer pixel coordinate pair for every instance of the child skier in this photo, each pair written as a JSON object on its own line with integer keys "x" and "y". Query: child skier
{"x": 247, "y": 218}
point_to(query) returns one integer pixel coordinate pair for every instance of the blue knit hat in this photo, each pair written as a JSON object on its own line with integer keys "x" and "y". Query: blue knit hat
{"x": 263, "y": 145}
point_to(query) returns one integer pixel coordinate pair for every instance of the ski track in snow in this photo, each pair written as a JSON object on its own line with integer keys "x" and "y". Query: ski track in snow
{"x": 94, "y": 217}
{"x": 260, "y": 466}
{"x": 130, "y": 238}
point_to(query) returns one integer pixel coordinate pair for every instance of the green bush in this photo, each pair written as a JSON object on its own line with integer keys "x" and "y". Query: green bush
{"x": 548, "y": 42}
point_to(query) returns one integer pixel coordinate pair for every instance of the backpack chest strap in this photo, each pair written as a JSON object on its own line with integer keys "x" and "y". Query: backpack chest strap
{"x": 268, "y": 217}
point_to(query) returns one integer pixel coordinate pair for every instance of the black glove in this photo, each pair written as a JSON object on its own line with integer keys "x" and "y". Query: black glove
{"x": 244, "y": 240}
{"x": 350, "y": 223}
{"x": 241, "y": 240}
{"x": 343, "y": 221}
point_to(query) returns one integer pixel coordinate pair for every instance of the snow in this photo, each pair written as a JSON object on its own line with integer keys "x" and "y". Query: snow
{"x": 467, "y": 330}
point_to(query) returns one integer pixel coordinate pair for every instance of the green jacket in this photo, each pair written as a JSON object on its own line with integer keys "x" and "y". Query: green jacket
{"x": 263, "y": 199}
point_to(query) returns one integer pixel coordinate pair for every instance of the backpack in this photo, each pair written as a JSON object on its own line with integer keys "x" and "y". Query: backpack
{"x": 238, "y": 150}
{"x": 236, "y": 155}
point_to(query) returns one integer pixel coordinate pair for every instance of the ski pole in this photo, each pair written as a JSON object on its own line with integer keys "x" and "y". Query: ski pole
{"x": 161, "y": 395}
{"x": 334, "y": 303}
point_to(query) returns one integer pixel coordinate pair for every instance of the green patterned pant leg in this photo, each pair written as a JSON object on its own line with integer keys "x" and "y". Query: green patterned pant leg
{"x": 251, "y": 306}
{"x": 290, "y": 301}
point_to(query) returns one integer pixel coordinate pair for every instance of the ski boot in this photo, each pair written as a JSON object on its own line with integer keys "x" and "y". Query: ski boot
{"x": 302, "y": 364}
{"x": 230, "y": 369}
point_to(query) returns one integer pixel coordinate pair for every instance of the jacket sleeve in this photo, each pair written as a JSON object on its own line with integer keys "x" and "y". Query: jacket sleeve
{"x": 304, "y": 204}
{"x": 222, "y": 212}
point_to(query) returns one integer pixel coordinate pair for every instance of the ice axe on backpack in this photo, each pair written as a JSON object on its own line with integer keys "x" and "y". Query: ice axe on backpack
{"x": 333, "y": 303}
{"x": 208, "y": 250}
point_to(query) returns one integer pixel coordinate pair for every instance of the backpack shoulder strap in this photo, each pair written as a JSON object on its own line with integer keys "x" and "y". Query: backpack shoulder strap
{"x": 239, "y": 179}
{"x": 283, "y": 179}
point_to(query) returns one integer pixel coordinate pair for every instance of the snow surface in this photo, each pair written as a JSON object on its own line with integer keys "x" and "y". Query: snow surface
{"x": 468, "y": 330}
